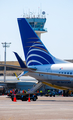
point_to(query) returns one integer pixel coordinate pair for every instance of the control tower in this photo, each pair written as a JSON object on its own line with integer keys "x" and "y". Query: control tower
{"x": 37, "y": 23}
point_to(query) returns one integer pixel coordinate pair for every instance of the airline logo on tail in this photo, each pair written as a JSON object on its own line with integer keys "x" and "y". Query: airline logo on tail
{"x": 34, "y": 50}
{"x": 37, "y": 54}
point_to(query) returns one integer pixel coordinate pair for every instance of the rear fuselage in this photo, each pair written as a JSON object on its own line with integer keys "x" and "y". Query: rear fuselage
{"x": 66, "y": 68}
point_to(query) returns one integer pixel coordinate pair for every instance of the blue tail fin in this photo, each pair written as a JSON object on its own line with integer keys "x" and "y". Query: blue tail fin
{"x": 20, "y": 61}
{"x": 34, "y": 50}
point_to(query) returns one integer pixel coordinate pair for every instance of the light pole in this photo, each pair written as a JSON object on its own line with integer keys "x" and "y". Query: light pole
{"x": 5, "y": 45}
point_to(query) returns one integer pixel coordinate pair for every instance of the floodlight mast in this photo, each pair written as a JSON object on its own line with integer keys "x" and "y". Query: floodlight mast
{"x": 5, "y": 45}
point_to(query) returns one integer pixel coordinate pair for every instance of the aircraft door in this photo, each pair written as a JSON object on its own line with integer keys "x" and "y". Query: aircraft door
{"x": 49, "y": 77}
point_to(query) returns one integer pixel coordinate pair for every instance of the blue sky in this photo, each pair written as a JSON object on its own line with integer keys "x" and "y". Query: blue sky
{"x": 58, "y": 39}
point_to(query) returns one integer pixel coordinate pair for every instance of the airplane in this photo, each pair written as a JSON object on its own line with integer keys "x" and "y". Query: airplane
{"x": 40, "y": 63}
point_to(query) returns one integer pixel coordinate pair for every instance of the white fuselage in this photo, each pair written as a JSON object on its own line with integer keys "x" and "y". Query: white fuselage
{"x": 64, "y": 68}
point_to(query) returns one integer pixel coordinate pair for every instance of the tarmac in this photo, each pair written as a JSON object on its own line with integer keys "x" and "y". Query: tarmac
{"x": 45, "y": 108}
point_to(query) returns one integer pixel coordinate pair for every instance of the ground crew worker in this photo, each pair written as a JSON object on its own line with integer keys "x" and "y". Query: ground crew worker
{"x": 10, "y": 91}
{"x": 48, "y": 91}
{"x": 23, "y": 91}
{"x": 37, "y": 91}
{"x": 40, "y": 91}
{"x": 13, "y": 91}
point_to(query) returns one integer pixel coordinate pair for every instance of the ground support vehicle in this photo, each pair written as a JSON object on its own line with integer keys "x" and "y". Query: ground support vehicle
{"x": 2, "y": 90}
{"x": 25, "y": 96}
{"x": 51, "y": 93}
{"x": 71, "y": 94}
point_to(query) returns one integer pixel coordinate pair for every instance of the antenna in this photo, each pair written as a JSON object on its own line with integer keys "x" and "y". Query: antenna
{"x": 43, "y": 13}
{"x": 38, "y": 10}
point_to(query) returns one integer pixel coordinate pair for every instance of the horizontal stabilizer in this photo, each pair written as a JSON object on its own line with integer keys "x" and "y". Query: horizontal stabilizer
{"x": 23, "y": 73}
{"x": 22, "y": 64}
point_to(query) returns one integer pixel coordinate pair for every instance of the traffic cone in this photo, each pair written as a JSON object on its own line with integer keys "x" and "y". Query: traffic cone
{"x": 14, "y": 99}
{"x": 29, "y": 98}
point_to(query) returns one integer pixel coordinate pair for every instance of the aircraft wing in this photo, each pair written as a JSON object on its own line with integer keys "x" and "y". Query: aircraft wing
{"x": 14, "y": 66}
{"x": 18, "y": 67}
{"x": 33, "y": 70}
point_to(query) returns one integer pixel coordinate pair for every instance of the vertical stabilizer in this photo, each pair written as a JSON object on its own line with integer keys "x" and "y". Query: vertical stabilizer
{"x": 34, "y": 50}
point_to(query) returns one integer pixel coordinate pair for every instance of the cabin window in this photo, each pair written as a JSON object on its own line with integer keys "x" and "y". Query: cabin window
{"x": 70, "y": 72}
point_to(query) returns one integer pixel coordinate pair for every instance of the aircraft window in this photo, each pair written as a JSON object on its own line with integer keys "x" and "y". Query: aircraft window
{"x": 64, "y": 72}
{"x": 58, "y": 81}
{"x": 60, "y": 72}
{"x": 67, "y": 72}
{"x": 70, "y": 72}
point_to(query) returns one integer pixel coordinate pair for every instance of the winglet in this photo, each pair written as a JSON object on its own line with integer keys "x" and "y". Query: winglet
{"x": 22, "y": 64}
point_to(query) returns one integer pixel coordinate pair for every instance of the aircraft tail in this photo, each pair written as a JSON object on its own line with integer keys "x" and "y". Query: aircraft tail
{"x": 34, "y": 50}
